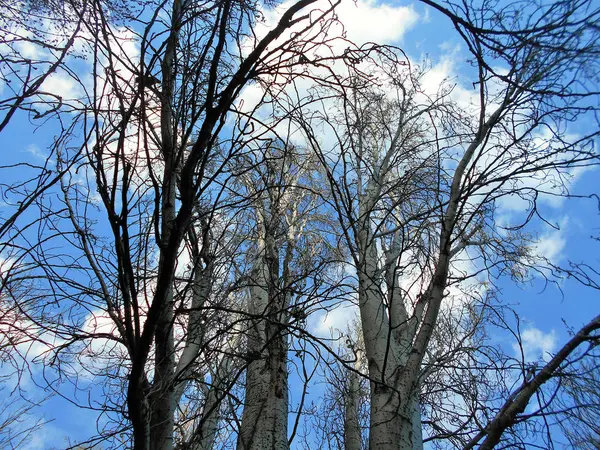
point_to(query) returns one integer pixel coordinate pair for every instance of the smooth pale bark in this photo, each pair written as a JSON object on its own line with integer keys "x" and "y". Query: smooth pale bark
{"x": 387, "y": 331}
{"x": 416, "y": 423}
{"x": 387, "y": 343}
{"x": 264, "y": 422}
{"x": 206, "y": 433}
{"x": 395, "y": 419}
{"x": 201, "y": 289}
{"x": 352, "y": 431}
{"x": 265, "y": 416}
{"x": 203, "y": 437}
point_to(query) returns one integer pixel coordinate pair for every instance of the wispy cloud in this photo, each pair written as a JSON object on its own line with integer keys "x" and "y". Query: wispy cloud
{"x": 536, "y": 344}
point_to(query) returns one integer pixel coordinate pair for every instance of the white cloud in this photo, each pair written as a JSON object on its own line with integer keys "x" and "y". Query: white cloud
{"x": 100, "y": 353}
{"x": 536, "y": 344}
{"x": 19, "y": 39}
{"x": 437, "y": 75}
{"x": 363, "y": 21}
{"x": 369, "y": 21}
{"x": 61, "y": 85}
{"x": 359, "y": 23}
{"x": 339, "y": 319}
{"x": 30, "y": 50}
{"x": 512, "y": 203}
{"x": 35, "y": 151}
{"x": 551, "y": 245}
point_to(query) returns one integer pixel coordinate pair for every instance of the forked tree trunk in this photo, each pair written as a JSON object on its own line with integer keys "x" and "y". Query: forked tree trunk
{"x": 394, "y": 420}
{"x": 394, "y": 424}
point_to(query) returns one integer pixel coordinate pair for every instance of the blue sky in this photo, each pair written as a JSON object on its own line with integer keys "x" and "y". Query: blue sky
{"x": 423, "y": 35}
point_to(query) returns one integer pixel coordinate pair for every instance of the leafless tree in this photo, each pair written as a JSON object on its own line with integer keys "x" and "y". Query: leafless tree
{"x": 415, "y": 181}
{"x": 182, "y": 238}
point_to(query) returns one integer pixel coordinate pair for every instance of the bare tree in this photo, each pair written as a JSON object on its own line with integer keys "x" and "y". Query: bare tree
{"x": 287, "y": 258}
{"x": 418, "y": 178}
{"x": 183, "y": 238}
{"x": 153, "y": 146}
{"x": 582, "y": 406}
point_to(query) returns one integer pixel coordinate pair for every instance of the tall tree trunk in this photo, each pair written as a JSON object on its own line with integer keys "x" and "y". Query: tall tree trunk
{"x": 395, "y": 419}
{"x": 388, "y": 340}
{"x": 206, "y": 433}
{"x": 203, "y": 437}
{"x": 162, "y": 398}
{"x": 391, "y": 424}
{"x": 265, "y": 416}
{"x": 352, "y": 431}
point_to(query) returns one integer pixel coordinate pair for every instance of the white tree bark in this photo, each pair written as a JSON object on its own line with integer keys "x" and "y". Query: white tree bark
{"x": 395, "y": 342}
{"x": 388, "y": 336}
{"x": 264, "y": 420}
{"x": 206, "y": 433}
{"x": 352, "y": 429}
{"x": 201, "y": 289}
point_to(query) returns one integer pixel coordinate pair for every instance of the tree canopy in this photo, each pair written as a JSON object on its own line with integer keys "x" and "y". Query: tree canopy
{"x": 201, "y": 186}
